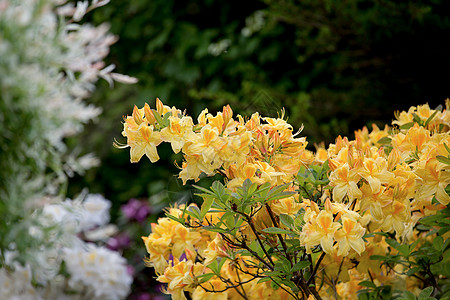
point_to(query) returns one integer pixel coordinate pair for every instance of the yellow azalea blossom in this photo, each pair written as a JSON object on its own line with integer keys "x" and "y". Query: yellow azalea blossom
{"x": 349, "y": 236}
{"x": 404, "y": 118}
{"x": 345, "y": 182}
{"x": 376, "y": 173}
{"x": 288, "y": 206}
{"x": 319, "y": 231}
{"x": 321, "y": 154}
{"x": 376, "y": 134}
{"x": 396, "y": 215}
{"x": 417, "y": 136}
{"x": 142, "y": 140}
{"x": 434, "y": 182}
{"x": 215, "y": 249}
{"x": 180, "y": 277}
{"x": 178, "y": 132}
{"x": 184, "y": 239}
{"x": 191, "y": 169}
{"x": 374, "y": 202}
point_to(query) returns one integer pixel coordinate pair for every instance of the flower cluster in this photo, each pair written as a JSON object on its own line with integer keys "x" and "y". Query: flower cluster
{"x": 101, "y": 271}
{"x": 91, "y": 271}
{"x": 286, "y": 210}
{"x": 259, "y": 149}
{"x": 49, "y": 65}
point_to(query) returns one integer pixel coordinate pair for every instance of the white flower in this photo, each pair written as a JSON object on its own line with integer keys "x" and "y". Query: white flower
{"x": 16, "y": 284}
{"x": 80, "y": 10}
{"x": 96, "y": 211}
{"x": 102, "y": 271}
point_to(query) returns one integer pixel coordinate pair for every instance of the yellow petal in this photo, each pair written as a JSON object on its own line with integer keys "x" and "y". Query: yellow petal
{"x": 136, "y": 152}
{"x": 151, "y": 152}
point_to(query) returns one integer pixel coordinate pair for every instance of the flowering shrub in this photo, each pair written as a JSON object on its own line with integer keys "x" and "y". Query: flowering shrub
{"x": 49, "y": 65}
{"x": 363, "y": 218}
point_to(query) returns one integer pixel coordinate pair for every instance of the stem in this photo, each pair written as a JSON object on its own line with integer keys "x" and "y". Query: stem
{"x": 244, "y": 246}
{"x": 316, "y": 267}
{"x": 252, "y": 226}
{"x": 280, "y": 237}
{"x": 244, "y": 294}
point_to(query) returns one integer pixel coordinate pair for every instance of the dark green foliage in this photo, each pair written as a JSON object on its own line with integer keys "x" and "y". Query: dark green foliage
{"x": 335, "y": 65}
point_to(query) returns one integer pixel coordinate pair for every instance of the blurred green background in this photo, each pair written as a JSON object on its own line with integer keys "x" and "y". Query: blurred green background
{"x": 334, "y": 65}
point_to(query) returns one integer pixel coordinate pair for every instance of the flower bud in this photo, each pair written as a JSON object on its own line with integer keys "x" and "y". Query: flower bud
{"x": 137, "y": 115}
{"x": 159, "y": 107}
{"x": 149, "y": 114}
{"x": 227, "y": 114}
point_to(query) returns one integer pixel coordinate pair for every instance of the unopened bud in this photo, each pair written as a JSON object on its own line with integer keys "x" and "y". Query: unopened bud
{"x": 350, "y": 158}
{"x": 227, "y": 114}
{"x": 149, "y": 114}
{"x": 332, "y": 164}
{"x": 393, "y": 159}
{"x": 159, "y": 107}
{"x": 276, "y": 141}
{"x": 137, "y": 115}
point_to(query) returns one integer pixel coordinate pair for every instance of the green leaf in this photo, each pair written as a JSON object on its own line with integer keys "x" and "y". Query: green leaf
{"x": 203, "y": 189}
{"x": 219, "y": 189}
{"x": 409, "y": 296}
{"x": 413, "y": 271}
{"x": 264, "y": 279}
{"x": 207, "y": 202}
{"x": 438, "y": 242}
{"x": 443, "y": 159}
{"x": 384, "y": 140}
{"x": 165, "y": 120}
{"x": 194, "y": 212}
{"x": 158, "y": 117}
{"x": 286, "y": 220}
{"x": 425, "y": 293}
{"x": 446, "y": 147}
{"x": 367, "y": 283}
{"x": 417, "y": 119}
{"x": 430, "y": 118}
{"x": 276, "y": 230}
{"x": 378, "y": 257}
{"x": 228, "y": 219}
{"x": 205, "y": 277}
{"x": 407, "y": 125}
{"x": 404, "y": 250}
{"x": 300, "y": 266}
{"x": 179, "y": 220}
{"x": 279, "y": 196}
{"x": 298, "y": 221}
{"x": 439, "y": 108}
{"x": 393, "y": 243}
{"x": 214, "y": 229}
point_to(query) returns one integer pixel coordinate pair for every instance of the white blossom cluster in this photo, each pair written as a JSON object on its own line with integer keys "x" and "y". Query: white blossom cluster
{"x": 101, "y": 271}
{"x": 92, "y": 271}
{"x": 58, "y": 64}
{"x": 49, "y": 65}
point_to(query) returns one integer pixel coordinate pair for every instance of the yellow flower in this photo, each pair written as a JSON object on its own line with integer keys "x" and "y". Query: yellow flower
{"x": 180, "y": 277}
{"x": 178, "y": 132}
{"x": 141, "y": 140}
{"x": 376, "y": 173}
{"x": 321, "y": 231}
{"x": 434, "y": 182}
{"x": 349, "y": 236}
{"x": 345, "y": 182}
